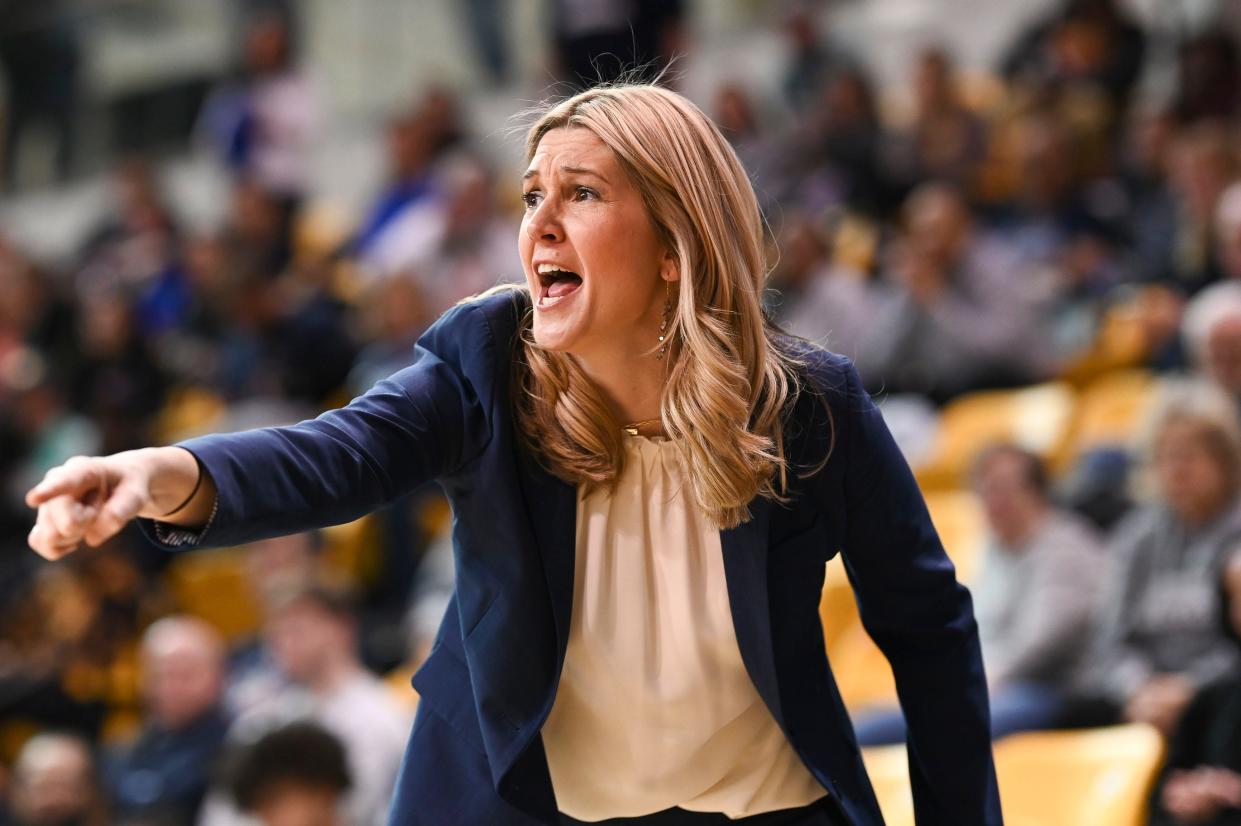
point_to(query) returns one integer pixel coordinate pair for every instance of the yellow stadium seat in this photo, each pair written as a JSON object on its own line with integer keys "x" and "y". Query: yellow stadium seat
{"x": 837, "y": 609}
{"x": 1122, "y": 340}
{"x": 1078, "y": 778}
{"x": 1111, "y": 410}
{"x": 351, "y": 551}
{"x": 189, "y": 411}
{"x": 213, "y": 585}
{"x": 888, "y": 767}
{"x": 862, "y": 672}
{"x": 397, "y": 681}
{"x": 958, "y": 518}
{"x": 1096, "y": 777}
{"x": 1037, "y": 418}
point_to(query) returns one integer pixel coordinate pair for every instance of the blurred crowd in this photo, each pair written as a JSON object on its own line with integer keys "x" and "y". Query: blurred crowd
{"x": 957, "y": 234}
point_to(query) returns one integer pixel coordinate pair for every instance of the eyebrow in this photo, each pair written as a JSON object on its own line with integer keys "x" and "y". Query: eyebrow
{"x": 571, "y": 170}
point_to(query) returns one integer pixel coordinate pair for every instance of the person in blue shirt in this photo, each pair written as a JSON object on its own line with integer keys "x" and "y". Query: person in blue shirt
{"x": 163, "y": 774}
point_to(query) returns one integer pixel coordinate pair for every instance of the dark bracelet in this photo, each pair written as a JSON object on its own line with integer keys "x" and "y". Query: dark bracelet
{"x": 198, "y": 484}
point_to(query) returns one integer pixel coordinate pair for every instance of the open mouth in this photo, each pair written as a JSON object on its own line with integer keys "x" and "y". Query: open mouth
{"x": 555, "y": 285}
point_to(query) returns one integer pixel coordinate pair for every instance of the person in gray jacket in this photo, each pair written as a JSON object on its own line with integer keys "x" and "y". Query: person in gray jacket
{"x": 1041, "y": 570}
{"x": 1157, "y": 637}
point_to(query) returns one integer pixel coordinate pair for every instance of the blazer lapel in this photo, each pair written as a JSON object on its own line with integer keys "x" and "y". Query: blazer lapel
{"x": 745, "y": 568}
{"x": 551, "y": 504}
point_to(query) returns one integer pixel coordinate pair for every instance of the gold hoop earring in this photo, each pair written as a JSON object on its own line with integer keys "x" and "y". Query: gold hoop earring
{"x": 663, "y": 324}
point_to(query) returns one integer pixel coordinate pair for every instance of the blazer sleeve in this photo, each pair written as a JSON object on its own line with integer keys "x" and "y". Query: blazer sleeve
{"x": 424, "y": 421}
{"x": 921, "y": 618}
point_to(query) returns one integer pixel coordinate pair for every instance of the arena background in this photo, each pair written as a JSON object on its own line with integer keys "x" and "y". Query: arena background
{"x": 1021, "y": 219}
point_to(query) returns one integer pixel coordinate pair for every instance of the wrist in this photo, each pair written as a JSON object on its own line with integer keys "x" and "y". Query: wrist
{"x": 173, "y": 479}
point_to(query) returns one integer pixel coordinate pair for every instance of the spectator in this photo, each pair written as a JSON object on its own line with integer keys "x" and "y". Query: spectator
{"x": 1204, "y": 162}
{"x": 276, "y": 569}
{"x": 1228, "y": 231}
{"x": 1212, "y": 331}
{"x": 263, "y": 126}
{"x": 313, "y": 640}
{"x": 967, "y": 314}
{"x": 39, "y": 59}
{"x": 295, "y": 775}
{"x": 1201, "y": 780}
{"x": 476, "y": 249}
{"x": 824, "y": 300}
{"x": 163, "y": 775}
{"x": 49, "y": 430}
{"x": 34, "y": 313}
{"x": 1052, "y": 208}
{"x": 54, "y": 784}
{"x": 1157, "y": 639}
{"x": 485, "y": 22}
{"x": 1149, "y": 212}
{"x": 813, "y": 56}
{"x": 136, "y": 250}
{"x": 1089, "y": 46}
{"x": 1040, "y": 572}
{"x": 943, "y": 141}
{"x": 837, "y": 144}
{"x": 1207, "y": 78}
{"x": 393, "y": 313}
{"x": 118, "y": 382}
{"x": 600, "y": 40}
{"x": 407, "y": 218}
{"x": 757, "y": 145}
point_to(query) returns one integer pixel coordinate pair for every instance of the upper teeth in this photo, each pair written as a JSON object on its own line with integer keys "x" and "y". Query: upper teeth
{"x": 549, "y": 268}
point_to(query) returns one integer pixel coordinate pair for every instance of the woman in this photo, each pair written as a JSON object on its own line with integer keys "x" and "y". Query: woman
{"x": 1157, "y": 637}
{"x": 1201, "y": 780}
{"x": 646, "y": 483}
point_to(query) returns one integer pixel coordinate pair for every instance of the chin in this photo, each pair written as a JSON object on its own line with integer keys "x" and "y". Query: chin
{"x": 553, "y": 339}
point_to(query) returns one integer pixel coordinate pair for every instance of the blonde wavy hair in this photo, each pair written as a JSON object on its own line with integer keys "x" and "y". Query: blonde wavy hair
{"x": 728, "y": 383}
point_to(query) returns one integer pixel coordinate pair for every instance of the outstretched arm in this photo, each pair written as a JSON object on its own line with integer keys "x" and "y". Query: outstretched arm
{"x": 422, "y": 422}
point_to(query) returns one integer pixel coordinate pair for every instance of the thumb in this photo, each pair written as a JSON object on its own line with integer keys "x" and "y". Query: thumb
{"x": 112, "y": 515}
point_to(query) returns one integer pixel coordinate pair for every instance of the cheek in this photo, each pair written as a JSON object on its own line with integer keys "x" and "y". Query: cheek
{"x": 525, "y": 247}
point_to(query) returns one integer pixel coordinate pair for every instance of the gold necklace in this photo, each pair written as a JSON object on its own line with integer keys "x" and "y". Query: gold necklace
{"x": 632, "y": 429}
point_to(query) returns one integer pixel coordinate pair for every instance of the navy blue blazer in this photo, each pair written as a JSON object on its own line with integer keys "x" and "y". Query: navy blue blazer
{"x": 475, "y": 755}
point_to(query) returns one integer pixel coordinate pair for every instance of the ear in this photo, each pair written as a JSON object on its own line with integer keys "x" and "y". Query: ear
{"x": 669, "y": 269}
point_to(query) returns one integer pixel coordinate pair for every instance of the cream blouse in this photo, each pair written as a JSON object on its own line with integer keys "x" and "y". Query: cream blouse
{"x": 654, "y": 707}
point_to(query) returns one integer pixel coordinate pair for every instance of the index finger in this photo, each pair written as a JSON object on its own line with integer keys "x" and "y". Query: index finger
{"x": 58, "y": 481}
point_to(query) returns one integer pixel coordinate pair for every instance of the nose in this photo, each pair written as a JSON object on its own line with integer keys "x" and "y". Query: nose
{"x": 544, "y": 223}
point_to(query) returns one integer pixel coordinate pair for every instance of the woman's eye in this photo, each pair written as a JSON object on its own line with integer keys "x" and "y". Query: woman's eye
{"x": 530, "y": 199}
{"x": 585, "y": 193}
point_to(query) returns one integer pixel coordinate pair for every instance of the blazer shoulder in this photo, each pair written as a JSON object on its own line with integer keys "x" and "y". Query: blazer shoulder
{"x": 502, "y": 309}
{"x": 824, "y": 372}
{"x": 478, "y": 330}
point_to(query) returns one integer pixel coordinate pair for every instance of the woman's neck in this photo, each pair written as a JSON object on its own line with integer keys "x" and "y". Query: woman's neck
{"x": 631, "y": 384}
